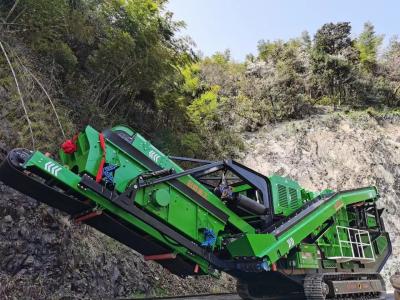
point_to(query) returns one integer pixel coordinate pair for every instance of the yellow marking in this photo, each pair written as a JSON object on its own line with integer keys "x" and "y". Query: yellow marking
{"x": 339, "y": 205}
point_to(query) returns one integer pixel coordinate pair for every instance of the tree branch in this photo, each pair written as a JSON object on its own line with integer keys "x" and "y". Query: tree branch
{"x": 20, "y": 94}
{"x": 11, "y": 10}
{"x": 46, "y": 93}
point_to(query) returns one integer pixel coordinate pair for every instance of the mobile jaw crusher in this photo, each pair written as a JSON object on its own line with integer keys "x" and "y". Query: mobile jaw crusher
{"x": 274, "y": 236}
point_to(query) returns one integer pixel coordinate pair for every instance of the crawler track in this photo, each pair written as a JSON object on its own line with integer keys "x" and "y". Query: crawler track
{"x": 316, "y": 287}
{"x": 218, "y": 296}
{"x": 227, "y": 296}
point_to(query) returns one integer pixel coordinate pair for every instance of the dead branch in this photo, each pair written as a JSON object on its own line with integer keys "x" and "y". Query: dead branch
{"x": 11, "y": 10}
{"x": 396, "y": 90}
{"x": 46, "y": 93}
{"x": 122, "y": 73}
{"x": 20, "y": 94}
{"x": 19, "y": 14}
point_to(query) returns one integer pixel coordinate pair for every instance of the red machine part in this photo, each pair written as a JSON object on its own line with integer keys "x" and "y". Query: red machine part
{"x": 99, "y": 174}
{"x": 69, "y": 146}
{"x": 160, "y": 256}
{"x": 88, "y": 216}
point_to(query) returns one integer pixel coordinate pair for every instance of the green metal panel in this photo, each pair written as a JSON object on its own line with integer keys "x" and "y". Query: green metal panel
{"x": 381, "y": 244}
{"x": 306, "y": 257}
{"x": 286, "y": 195}
{"x": 371, "y": 221}
{"x": 241, "y": 188}
{"x": 251, "y": 245}
{"x": 161, "y": 197}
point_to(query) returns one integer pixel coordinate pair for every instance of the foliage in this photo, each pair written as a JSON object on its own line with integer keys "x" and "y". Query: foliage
{"x": 367, "y": 44}
{"x": 205, "y": 106}
{"x": 333, "y": 38}
{"x": 289, "y": 78}
{"x": 108, "y": 61}
{"x": 120, "y": 61}
{"x": 332, "y": 60}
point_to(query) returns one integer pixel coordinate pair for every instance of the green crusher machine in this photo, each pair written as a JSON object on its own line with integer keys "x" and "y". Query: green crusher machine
{"x": 277, "y": 238}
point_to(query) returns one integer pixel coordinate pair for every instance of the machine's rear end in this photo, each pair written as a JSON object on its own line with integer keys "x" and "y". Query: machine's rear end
{"x": 274, "y": 236}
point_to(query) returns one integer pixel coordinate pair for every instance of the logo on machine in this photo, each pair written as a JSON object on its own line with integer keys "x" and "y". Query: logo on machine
{"x": 196, "y": 188}
{"x": 290, "y": 242}
{"x": 154, "y": 156}
{"x": 52, "y": 168}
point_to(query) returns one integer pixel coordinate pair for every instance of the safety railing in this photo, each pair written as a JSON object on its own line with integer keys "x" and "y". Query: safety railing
{"x": 354, "y": 244}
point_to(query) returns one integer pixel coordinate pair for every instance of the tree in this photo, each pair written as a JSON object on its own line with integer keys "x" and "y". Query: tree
{"x": 367, "y": 44}
{"x": 268, "y": 49}
{"x": 333, "y": 59}
{"x": 112, "y": 61}
{"x": 275, "y": 88}
{"x": 305, "y": 40}
{"x": 333, "y": 38}
{"x": 391, "y": 63}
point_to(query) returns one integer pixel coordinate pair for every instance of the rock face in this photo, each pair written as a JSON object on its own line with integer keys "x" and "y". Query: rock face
{"x": 43, "y": 255}
{"x": 337, "y": 151}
